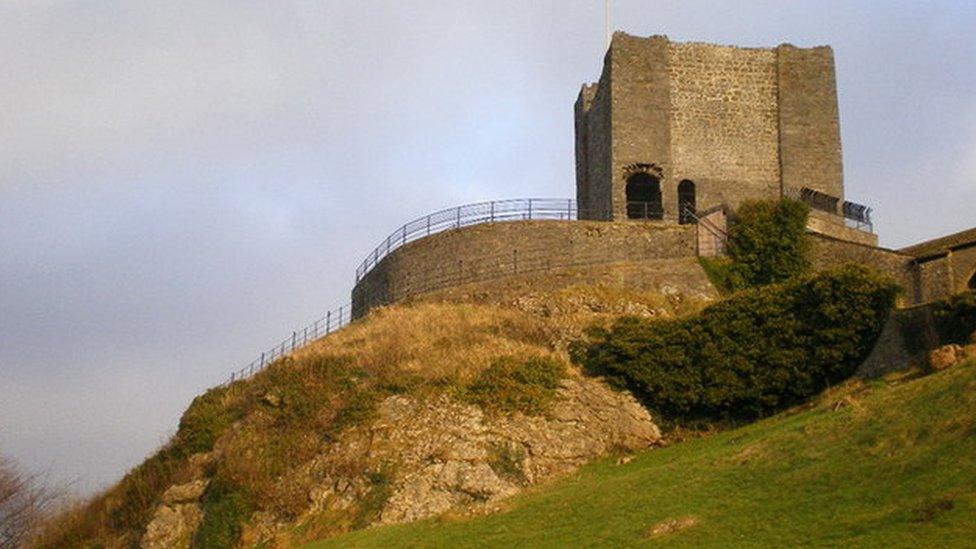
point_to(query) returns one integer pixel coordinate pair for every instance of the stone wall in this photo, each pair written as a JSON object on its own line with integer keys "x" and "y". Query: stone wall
{"x": 906, "y": 333}
{"x": 496, "y": 250}
{"x": 834, "y": 226}
{"x": 963, "y": 267}
{"x": 640, "y": 129}
{"x": 739, "y": 122}
{"x": 682, "y": 277}
{"x": 723, "y": 122}
{"x": 933, "y": 279}
{"x": 828, "y": 252}
{"x": 593, "y": 153}
{"x": 809, "y": 127}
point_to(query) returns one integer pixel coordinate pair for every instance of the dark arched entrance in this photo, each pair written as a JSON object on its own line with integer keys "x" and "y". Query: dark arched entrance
{"x": 972, "y": 282}
{"x": 686, "y": 201}
{"x": 644, "y": 197}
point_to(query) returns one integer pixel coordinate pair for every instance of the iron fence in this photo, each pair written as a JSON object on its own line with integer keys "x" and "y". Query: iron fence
{"x": 332, "y": 321}
{"x": 853, "y": 215}
{"x": 518, "y": 209}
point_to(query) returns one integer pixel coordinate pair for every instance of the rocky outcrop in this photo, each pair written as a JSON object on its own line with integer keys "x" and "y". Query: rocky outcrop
{"x": 949, "y": 355}
{"x": 422, "y": 457}
{"x": 177, "y": 519}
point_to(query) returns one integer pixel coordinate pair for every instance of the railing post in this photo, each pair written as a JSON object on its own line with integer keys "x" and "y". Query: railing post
{"x": 428, "y": 225}
{"x": 404, "y": 239}
{"x": 328, "y": 323}
{"x": 530, "y": 209}
{"x": 294, "y": 340}
{"x": 458, "y": 217}
{"x": 340, "y": 316}
{"x": 569, "y": 209}
{"x": 492, "y": 211}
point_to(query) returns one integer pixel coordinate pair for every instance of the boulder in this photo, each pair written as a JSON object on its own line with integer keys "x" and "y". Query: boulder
{"x": 945, "y": 356}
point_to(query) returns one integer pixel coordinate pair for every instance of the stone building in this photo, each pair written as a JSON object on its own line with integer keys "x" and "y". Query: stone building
{"x": 672, "y": 128}
{"x": 671, "y": 138}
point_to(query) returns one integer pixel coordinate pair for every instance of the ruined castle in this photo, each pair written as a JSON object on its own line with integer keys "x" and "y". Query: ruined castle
{"x": 671, "y": 138}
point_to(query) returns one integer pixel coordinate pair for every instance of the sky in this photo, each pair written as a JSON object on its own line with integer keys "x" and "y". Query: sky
{"x": 184, "y": 183}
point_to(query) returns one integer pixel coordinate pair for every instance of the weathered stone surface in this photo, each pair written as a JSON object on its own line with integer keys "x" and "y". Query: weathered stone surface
{"x": 945, "y": 356}
{"x": 739, "y": 122}
{"x": 437, "y": 454}
{"x": 172, "y": 526}
{"x": 492, "y": 251}
{"x": 184, "y": 493}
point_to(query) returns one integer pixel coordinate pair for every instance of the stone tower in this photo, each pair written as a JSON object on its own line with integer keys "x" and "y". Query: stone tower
{"x": 705, "y": 125}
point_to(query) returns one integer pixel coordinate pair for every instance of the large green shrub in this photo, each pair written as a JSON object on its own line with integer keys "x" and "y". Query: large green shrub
{"x": 756, "y": 352}
{"x": 767, "y": 242}
{"x": 956, "y": 317}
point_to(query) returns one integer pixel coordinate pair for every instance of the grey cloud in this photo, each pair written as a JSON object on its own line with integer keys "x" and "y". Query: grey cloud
{"x": 182, "y": 183}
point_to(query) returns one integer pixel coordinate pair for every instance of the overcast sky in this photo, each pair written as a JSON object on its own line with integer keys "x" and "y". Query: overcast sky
{"x": 183, "y": 183}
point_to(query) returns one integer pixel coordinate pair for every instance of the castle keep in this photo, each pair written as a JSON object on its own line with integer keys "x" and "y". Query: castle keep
{"x": 671, "y": 126}
{"x": 671, "y": 138}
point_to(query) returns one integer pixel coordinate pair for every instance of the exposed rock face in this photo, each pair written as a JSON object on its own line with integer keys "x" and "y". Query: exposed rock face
{"x": 423, "y": 457}
{"x": 177, "y": 519}
{"x": 948, "y": 355}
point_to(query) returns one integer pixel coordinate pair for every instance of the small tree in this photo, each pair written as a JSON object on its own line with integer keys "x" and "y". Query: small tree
{"x": 24, "y": 501}
{"x": 767, "y": 241}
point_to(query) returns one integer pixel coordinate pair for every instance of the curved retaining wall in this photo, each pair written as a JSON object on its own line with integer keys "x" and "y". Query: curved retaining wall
{"x": 496, "y": 250}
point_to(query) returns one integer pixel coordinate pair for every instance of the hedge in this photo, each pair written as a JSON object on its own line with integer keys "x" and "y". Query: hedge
{"x": 756, "y": 352}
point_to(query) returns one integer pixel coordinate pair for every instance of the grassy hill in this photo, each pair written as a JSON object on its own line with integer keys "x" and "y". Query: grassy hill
{"x": 886, "y": 463}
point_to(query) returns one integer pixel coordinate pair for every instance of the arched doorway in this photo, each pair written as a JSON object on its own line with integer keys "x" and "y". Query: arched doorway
{"x": 972, "y": 281}
{"x": 686, "y": 201}
{"x": 644, "y": 197}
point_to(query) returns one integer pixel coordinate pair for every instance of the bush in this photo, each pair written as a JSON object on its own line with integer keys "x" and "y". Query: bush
{"x": 225, "y": 509}
{"x": 757, "y": 352}
{"x": 956, "y": 318}
{"x": 512, "y": 385}
{"x": 767, "y": 242}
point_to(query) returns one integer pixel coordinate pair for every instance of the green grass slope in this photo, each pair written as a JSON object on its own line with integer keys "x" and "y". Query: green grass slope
{"x": 882, "y": 464}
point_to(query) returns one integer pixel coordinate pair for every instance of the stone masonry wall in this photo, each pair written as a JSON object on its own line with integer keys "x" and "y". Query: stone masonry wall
{"x": 934, "y": 279}
{"x": 640, "y": 116}
{"x": 489, "y": 251}
{"x": 741, "y": 123}
{"x": 595, "y": 156}
{"x": 833, "y": 226}
{"x": 724, "y": 122}
{"x": 809, "y": 127}
{"x": 963, "y": 267}
{"x": 828, "y": 252}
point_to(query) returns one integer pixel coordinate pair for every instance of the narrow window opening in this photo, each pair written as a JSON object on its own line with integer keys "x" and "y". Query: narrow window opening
{"x": 644, "y": 197}
{"x": 686, "y": 201}
{"x": 972, "y": 282}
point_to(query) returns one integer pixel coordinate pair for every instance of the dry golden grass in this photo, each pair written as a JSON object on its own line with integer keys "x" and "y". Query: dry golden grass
{"x": 334, "y": 383}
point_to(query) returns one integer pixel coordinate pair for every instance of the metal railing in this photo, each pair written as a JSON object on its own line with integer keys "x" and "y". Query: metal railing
{"x": 853, "y": 215}
{"x": 517, "y": 209}
{"x": 645, "y": 210}
{"x": 332, "y": 321}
